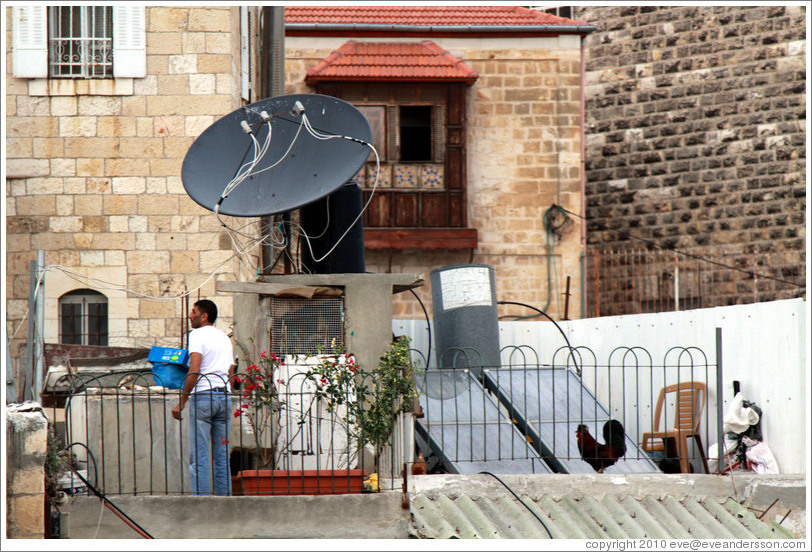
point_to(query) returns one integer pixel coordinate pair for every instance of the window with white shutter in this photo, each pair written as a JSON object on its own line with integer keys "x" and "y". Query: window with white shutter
{"x": 79, "y": 42}
{"x": 29, "y": 44}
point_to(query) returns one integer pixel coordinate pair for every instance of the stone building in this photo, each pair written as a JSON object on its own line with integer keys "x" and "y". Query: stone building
{"x": 93, "y": 164}
{"x": 97, "y": 134}
{"x": 695, "y": 141}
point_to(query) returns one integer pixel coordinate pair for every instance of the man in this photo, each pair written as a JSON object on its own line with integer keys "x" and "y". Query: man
{"x": 211, "y": 364}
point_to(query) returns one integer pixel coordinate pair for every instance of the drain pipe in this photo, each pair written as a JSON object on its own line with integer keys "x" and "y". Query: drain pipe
{"x": 583, "y": 176}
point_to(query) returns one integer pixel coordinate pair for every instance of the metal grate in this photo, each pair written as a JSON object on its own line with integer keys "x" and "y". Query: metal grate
{"x": 81, "y": 42}
{"x": 306, "y": 326}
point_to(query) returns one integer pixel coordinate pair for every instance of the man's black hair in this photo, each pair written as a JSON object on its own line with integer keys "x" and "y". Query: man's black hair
{"x": 204, "y": 305}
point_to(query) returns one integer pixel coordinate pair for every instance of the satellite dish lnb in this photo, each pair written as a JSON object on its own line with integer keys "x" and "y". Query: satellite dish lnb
{"x": 317, "y": 143}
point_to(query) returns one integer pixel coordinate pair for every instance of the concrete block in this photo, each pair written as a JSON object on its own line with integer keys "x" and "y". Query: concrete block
{"x": 33, "y": 106}
{"x": 141, "y": 148}
{"x": 164, "y": 43}
{"x": 134, "y": 105}
{"x": 126, "y": 185}
{"x": 170, "y": 242}
{"x": 177, "y": 146}
{"x": 173, "y": 85}
{"x": 226, "y": 83}
{"x": 27, "y": 168}
{"x": 148, "y": 261}
{"x": 63, "y": 167}
{"x": 218, "y": 43}
{"x": 19, "y": 147}
{"x": 124, "y": 242}
{"x": 210, "y": 19}
{"x": 202, "y": 84}
{"x": 144, "y": 126}
{"x": 132, "y": 167}
{"x": 77, "y": 126}
{"x": 156, "y": 309}
{"x": 65, "y": 224}
{"x": 185, "y": 64}
{"x": 166, "y": 19}
{"x": 45, "y": 148}
{"x": 184, "y": 262}
{"x": 99, "y": 105}
{"x": 156, "y": 185}
{"x": 36, "y": 205}
{"x": 157, "y": 205}
{"x": 196, "y": 124}
{"x": 173, "y": 125}
{"x": 64, "y": 205}
{"x": 88, "y": 204}
{"x": 194, "y": 43}
{"x": 145, "y": 242}
{"x": 91, "y": 258}
{"x": 26, "y": 517}
{"x": 91, "y": 167}
{"x": 214, "y": 63}
{"x": 115, "y": 126}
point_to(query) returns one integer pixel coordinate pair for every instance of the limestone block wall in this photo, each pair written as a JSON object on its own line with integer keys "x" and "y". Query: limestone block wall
{"x": 26, "y": 451}
{"x": 696, "y": 121}
{"x": 523, "y": 156}
{"x": 93, "y": 178}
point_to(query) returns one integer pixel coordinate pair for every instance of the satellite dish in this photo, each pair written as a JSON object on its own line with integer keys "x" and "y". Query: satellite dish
{"x": 299, "y": 166}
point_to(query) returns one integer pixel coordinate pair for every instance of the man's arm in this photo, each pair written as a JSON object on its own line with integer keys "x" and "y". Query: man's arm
{"x": 195, "y": 359}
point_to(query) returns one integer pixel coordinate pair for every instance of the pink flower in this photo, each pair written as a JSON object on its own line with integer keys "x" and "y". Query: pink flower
{"x": 263, "y": 354}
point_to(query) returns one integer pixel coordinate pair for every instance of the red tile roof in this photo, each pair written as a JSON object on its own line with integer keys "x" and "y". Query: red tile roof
{"x": 402, "y": 61}
{"x": 472, "y": 18}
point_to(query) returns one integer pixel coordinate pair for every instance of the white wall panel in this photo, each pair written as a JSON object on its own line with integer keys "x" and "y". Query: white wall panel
{"x": 764, "y": 346}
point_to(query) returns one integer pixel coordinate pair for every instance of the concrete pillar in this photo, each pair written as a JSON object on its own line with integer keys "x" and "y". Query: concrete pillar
{"x": 26, "y": 451}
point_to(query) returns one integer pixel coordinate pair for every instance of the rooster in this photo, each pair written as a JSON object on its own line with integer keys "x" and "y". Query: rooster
{"x": 597, "y": 455}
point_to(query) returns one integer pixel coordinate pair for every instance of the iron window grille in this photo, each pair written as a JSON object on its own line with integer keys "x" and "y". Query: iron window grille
{"x": 80, "y": 42}
{"x": 83, "y": 318}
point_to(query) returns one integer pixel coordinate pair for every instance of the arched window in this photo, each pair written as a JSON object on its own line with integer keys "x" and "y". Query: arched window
{"x": 83, "y": 318}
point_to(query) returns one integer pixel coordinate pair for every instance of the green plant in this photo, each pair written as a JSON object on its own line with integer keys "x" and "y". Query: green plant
{"x": 260, "y": 404}
{"x": 58, "y": 462}
{"x": 367, "y": 402}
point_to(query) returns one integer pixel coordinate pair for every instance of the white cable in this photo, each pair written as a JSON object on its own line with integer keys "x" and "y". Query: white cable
{"x": 360, "y": 214}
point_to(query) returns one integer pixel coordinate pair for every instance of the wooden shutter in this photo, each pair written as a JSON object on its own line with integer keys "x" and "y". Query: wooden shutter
{"x": 29, "y": 57}
{"x": 129, "y": 41}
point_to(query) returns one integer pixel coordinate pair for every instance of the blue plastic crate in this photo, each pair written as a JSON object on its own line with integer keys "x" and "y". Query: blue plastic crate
{"x": 169, "y": 366}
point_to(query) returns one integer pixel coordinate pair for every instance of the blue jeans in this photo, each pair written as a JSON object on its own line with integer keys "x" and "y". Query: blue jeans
{"x": 209, "y": 421}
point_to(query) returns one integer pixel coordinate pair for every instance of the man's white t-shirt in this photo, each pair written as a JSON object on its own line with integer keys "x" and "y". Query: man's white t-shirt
{"x": 218, "y": 356}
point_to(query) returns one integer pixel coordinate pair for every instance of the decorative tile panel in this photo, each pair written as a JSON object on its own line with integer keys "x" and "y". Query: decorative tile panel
{"x": 359, "y": 178}
{"x": 384, "y": 176}
{"x": 432, "y": 177}
{"x": 406, "y": 176}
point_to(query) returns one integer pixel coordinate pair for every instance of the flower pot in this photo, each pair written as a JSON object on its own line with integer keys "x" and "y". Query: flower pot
{"x": 299, "y": 482}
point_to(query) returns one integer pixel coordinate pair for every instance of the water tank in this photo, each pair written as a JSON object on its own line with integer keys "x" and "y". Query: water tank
{"x": 325, "y": 221}
{"x": 466, "y": 323}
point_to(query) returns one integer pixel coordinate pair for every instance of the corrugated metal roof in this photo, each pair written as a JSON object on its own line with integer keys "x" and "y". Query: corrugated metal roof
{"x": 439, "y": 16}
{"x": 403, "y": 61}
{"x": 439, "y": 516}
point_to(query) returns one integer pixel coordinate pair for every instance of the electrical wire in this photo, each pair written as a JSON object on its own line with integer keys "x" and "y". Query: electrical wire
{"x": 522, "y": 501}
{"x": 363, "y": 209}
{"x": 572, "y": 351}
{"x": 428, "y": 324}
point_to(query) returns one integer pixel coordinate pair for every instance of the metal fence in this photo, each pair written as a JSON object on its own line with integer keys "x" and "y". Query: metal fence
{"x": 520, "y": 417}
{"x": 125, "y": 441}
{"x": 527, "y": 411}
{"x": 633, "y": 281}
